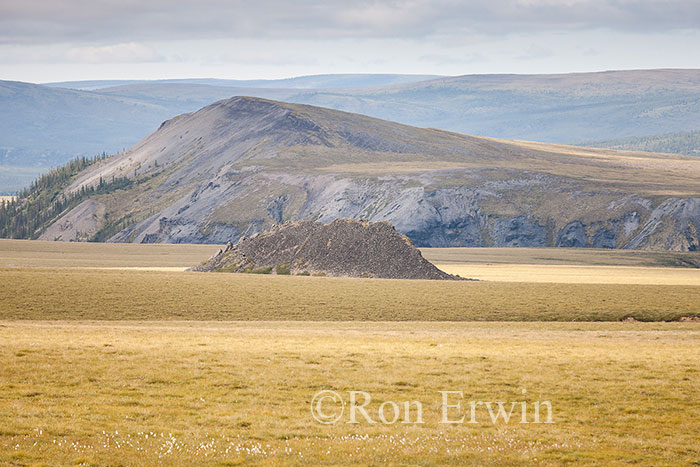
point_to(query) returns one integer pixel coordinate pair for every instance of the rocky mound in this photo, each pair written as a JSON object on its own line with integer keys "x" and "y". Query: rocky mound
{"x": 345, "y": 248}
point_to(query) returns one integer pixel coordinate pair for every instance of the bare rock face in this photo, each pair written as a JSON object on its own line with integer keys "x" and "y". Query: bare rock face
{"x": 80, "y": 224}
{"x": 343, "y": 248}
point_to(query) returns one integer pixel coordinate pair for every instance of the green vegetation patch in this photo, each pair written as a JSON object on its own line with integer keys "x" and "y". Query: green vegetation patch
{"x": 266, "y": 270}
{"x": 231, "y": 267}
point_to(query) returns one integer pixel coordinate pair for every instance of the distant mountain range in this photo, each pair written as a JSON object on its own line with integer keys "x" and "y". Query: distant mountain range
{"x": 335, "y": 81}
{"x": 45, "y": 125}
{"x": 243, "y": 165}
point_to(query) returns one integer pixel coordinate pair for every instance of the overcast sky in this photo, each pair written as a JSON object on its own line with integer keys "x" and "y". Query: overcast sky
{"x": 57, "y": 40}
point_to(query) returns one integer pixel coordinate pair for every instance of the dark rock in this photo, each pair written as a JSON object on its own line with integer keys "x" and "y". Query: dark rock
{"x": 345, "y": 248}
{"x": 573, "y": 235}
{"x": 519, "y": 231}
{"x": 605, "y": 238}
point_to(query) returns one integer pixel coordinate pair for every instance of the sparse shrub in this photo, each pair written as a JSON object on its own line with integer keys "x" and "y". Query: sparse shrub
{"x": 267, "y": 270}
{"x": 283, "y": 269}
{"x": 231, "y": 267}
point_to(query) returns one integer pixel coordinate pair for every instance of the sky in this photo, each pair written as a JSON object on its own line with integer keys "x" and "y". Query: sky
{"x": 61, "y": 40}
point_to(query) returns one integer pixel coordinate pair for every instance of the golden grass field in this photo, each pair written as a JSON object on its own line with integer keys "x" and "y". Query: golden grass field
{"x": 109, "y": 294}
{"x": 112, "y": 355}
{"x": 538, "y": 273}
{"x": 560, "y": 256}
{"x": 211, "y": 393}
{"x": 100, "y": 255}
{"x": 51, "y": 280}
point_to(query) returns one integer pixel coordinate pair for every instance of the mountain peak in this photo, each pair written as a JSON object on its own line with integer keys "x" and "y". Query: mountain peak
{"x": 250, "y": 104}
{"x": 261, "y": 118}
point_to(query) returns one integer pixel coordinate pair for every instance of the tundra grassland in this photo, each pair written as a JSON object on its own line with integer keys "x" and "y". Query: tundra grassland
{"x": 78, "y": 281}
{"x": 112, "y": 355}
{"x": 562, "y": 257}
{"x": 117, "y": 294}
{"x": 211, "y": 393}
{"x": 101, "y": 255}
{"x": 572, "y": 274}
{"x": 154, "y": 255}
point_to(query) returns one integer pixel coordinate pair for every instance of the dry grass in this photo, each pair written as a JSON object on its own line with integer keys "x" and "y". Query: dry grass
{"x": 146, "y": 282}
{"x": 115, "y": 390}
{"x": 560, "y": 256}
{"x": 617, "y": 171}
{"x": 126, "y": 281}
{"x": 239, "y": 393}
{"x": 101, "y": 255}
{"x": 559, "y": 274}
{"x": 639, "y": 172}
{"x": 68, "y": 293}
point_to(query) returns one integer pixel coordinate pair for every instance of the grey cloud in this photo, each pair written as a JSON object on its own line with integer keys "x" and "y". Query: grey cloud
{"x": 534, "y": 52}
{"x": 124, "y": 21}
{"x": 457, "y": 59}
{"x": 590, "y": 52}
{"x": 131, "y": 52}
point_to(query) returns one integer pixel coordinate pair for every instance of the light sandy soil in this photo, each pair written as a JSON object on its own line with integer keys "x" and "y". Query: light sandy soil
{"x": 546, "y": 273}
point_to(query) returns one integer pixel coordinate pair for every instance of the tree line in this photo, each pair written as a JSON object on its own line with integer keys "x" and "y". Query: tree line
{"x": 44, "y": 200}
{"x": 679, "y": 143}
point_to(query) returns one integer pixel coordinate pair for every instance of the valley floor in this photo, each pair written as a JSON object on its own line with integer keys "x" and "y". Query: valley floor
{"x": 153, "y": 255}
{"x": 112, "y": 355}
{"x": 117, "y": 294}
{"x": 212, "y": 393}
{"x": 77, "y": 281}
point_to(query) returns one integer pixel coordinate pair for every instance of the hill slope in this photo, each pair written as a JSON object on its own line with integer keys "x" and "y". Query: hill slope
{"x": 242, "y": 165}
{"x": 343, "y": 248}
{"x": 43, "y": 126}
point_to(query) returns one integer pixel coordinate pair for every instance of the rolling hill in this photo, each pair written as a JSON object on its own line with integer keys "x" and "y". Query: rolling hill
{"x": 565, "y": 108}
{"x": 330, "y": 81}
{"x": 44, "y": 126}
{"x": 242, "y": 165}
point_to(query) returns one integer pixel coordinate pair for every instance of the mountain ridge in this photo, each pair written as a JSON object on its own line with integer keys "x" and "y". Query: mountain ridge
{"x": 325, "y": 81}
{"x": 243, "y": 165}
{"x": 44, "y": 127}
